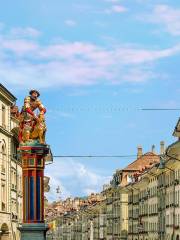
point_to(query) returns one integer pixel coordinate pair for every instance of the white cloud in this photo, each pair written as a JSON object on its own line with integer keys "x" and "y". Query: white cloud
{"x": 138, "y": 75}
{"x": 112, "y": 1}
{"x": 72, "y": 176}
{"x": 70, "y": 23}
{"x": 52, "y": 195}
{"x": 55, "y": 114}
{"x": 25, "y": 63}
{"x": 116, "y": 9}
{"x": 166, "y": 16}
{"x": 78, "y": 92}
{"x": 25, "y": 32}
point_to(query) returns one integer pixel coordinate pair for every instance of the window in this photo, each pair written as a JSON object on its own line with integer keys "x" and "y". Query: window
{"x": 3, "y": 159}
{"x": 14, "y": 147}
{"x": 3, "y": 193}
{"x": 13, "y": 179}
{"x": 3, "y": 116}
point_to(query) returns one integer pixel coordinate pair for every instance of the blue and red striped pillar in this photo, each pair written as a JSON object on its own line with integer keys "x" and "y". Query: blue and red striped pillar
{"x": 33, "y": 164}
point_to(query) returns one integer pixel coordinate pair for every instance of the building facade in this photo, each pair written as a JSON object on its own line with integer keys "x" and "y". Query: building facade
{"x": 10, "y": 168}
{"x": 154, "y": 200}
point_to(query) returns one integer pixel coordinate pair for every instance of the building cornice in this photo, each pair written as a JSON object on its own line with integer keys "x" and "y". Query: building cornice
{"x": 4, "y": 131}
{"x": 7, "y": 213}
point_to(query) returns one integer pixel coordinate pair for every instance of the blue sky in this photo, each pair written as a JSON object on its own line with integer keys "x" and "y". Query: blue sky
{"x": 96, "y": 63}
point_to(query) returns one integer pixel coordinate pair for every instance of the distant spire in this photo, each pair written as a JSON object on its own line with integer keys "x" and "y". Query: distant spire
{"x": 153, "y": 148}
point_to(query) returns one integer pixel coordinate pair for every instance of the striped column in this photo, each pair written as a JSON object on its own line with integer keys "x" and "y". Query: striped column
{"x": 33, "y": 182}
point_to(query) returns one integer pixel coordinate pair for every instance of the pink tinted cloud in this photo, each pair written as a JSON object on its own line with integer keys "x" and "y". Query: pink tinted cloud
{"x": 75, "y": 63}
{"x": 118, "y": 9}
{"x": 18, "y": 46}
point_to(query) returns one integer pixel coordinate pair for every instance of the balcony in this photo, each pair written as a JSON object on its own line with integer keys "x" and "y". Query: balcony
{"x": 143, "y": 214}
{"x": 153, "y": 214}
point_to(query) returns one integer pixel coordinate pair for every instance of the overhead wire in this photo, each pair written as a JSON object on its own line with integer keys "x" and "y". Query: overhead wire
{"x": 112, "y": 109}
{"x": 108, "y": 108}
{"x": 93, "y": 156}
{"x": 100, "y": 156}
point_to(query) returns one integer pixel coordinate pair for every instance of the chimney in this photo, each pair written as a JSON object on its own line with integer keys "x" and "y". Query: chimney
{"x": 139, "y": 151}
{"x": 162, "y": 147}
{"x": 153, "y": 148}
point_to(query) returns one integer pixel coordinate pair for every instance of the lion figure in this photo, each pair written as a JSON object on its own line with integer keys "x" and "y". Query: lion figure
{"x": 39, "y": 130}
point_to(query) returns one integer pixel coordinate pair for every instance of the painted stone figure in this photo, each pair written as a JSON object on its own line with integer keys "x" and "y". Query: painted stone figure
{"x": 33, "y": 152}
{"x": 32, "y": 127}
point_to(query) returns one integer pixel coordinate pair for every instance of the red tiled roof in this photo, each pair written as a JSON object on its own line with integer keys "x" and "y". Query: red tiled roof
{"x": 146, "y": 160}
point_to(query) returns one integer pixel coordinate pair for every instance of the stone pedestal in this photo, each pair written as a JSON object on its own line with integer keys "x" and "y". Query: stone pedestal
{"x": 33, "y": 231}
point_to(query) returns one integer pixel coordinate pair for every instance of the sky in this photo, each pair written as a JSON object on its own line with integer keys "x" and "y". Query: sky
{"x": 96, "y": 64}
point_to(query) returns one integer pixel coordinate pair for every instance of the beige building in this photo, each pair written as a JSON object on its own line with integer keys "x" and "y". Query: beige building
{"x": 117, "y": 199}
{"x": 10, "y": 168}
{"x": 143, "y": 207}
{"x": 154, "y": 199}
{"x": 170, "y": 185}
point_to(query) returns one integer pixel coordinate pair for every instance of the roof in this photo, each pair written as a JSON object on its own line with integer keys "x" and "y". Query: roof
{"x": 176, "y": 132}
{"x": 140, "y": 166}
{"x": 148, "y": 159}
{"x": 2, "y": 87}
